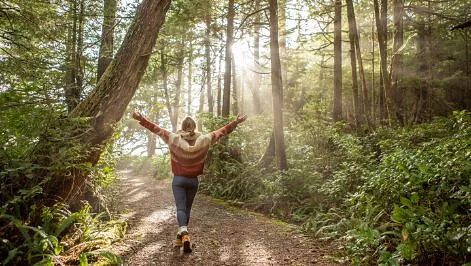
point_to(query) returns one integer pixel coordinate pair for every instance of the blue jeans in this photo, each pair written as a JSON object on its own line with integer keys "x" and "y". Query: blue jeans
{"x": 184, "y": 192}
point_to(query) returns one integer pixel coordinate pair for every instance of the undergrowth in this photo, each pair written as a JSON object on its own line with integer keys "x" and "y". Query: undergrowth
{"x": 390, "y": 197}
{"x": 41, "y": 150}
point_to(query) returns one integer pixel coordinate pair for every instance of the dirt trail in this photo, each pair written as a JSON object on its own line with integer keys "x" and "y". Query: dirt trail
{"x": 220, "y": 235}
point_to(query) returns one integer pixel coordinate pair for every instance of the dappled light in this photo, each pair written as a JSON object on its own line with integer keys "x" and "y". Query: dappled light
{"x": 236, "y": 132}
{"x": 222, "y": 236}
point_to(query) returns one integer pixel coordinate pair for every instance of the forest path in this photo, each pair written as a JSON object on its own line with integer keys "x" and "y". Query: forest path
{"x": 220, "y": 235}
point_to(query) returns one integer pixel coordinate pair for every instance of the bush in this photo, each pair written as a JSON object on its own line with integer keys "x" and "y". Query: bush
{"x": 41, "y": 151}
{"x": 393, "y": 196}
{"x": 422, "y": 185}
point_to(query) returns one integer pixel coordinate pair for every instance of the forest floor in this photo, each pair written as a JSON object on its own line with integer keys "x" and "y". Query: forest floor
{"x": 220, "y": 234}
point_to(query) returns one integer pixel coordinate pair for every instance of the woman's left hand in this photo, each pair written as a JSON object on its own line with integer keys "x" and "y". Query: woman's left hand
{"x": 137, "y": 116}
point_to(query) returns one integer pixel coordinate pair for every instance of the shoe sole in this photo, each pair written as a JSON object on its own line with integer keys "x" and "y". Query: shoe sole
{"x": 186, "y": 246}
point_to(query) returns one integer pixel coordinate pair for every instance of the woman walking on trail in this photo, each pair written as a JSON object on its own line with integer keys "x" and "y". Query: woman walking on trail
{"x": 188, "y": 151}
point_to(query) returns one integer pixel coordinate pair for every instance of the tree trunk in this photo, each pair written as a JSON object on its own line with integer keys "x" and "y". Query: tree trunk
{"x": 364, "y": 100}
{"x": 282, "y": 39}
{"x": 337, "y": 112}
{"x": 154, "y": 115}
{"x": 151, "y": 138}
{"x": 235, "y": 89}
{"x": 467, "y": 93}
{"x": 321, "y": 81}
{"x": 202, "y": 97}
{"x": 190, "y": 78}
{"x": 382, "y": 105}
{"x": 373, "y": 68}
{"x": 219, "y": 93}
{"x": 106, "y": 104}
{"x": 351, "y": 35}
{"x": 207, "y": 44}
{"x": 74, "y": 50}
{"x": 178, "y": 90}
{"x": 105, "y": 55}
{"x": 397, "y": 70}
{"x": 151, "y": 144}
{"x": 108, "y": 101}
{"x": 164, "y": 73}
{"x": 269, "y": 154}
{"x": 255, "y": 89}
{"x": 226, "y": 105}
{"x": 277, "y": 87}
{"x": 79, "y": 54}
{"x": 381, "y": 27}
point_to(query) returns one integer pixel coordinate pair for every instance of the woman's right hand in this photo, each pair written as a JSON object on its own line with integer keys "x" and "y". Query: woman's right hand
{"x": 241, "y": 118}
{"x": 137, "y": 116}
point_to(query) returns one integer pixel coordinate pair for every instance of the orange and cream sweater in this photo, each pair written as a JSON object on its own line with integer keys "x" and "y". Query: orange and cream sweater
{"x": 188, "y": 155}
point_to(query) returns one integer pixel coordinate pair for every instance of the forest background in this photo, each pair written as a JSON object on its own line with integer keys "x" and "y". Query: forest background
{"x": 359, "y": 125}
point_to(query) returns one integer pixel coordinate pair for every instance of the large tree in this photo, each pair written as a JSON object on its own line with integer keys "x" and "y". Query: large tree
{"x": 277, "y": 88}
{"x": 353, "y": 63}
{"x": 337, "y": 113}
{"x": 106, "y": 104}
{"x": 381, "y": 28}
{"x": 226, "y": 102}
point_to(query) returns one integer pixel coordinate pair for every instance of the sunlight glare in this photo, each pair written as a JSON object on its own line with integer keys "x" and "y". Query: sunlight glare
{"x": 241, "y": 53}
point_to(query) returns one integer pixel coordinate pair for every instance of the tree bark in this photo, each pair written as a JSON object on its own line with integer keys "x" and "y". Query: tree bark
{"x": 381, "y": 27}
{"x": 282, "y": 38}
{"x": 79, "y": 54}
{"x": 190, "y": 79}
{"x": 105, "y": 55}
{"x": 219, "y": 93}
{"x": 337, "y": 112}
{"x": 178, "y": 90}
{"x": 364, "y": 100}
{"x": 74, "y": 50}
{"x": 108, "y": 101}
{"x": 257, "y": 78}
{"x": 164, "y": 73}
{"x": 277, "y": 87}
{"x": 235, "y": 89}
{"x": 202, "y": 97}
{"x": 351, "y": 35}
{"x": 106, "y": 104}
{"x": 226, "y": 105}
{"x": 207, "y": 48}
{"x": 397, "y": 69}
{"x": 269, "y": 153}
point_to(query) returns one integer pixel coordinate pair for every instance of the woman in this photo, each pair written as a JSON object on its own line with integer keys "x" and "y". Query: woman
{"x": 188, "y": 151}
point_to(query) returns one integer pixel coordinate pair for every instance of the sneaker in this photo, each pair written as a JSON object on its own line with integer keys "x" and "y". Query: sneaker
{"x": 186, "y": 243}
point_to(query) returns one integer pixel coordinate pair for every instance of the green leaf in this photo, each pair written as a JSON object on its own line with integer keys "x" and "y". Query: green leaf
{"x": 83, "y": 259}
{"x": 414, "y": 197}
{"x": 11, "y": 255}
{"x": 112, "y": 258}
{"x": 406, "y": 250}
{"x": 64, "y": 224}
{"x": 44, "y": 262}
{"x": 399, "y": 215}
{"x": 406, "y": 202}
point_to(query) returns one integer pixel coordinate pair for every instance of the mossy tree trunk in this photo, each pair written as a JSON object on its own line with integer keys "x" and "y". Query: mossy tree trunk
{"x": 106, "y": 104}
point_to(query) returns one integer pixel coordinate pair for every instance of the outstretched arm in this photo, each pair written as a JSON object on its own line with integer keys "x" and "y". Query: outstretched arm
{"x": 227, "y": 129}
{"x": 154, "y": 128}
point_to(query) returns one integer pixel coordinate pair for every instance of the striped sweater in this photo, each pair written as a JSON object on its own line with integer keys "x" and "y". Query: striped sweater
{"x": 188, "y": 156}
